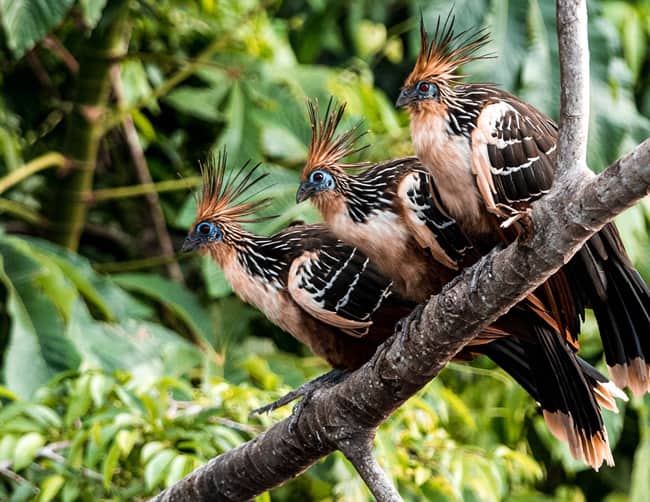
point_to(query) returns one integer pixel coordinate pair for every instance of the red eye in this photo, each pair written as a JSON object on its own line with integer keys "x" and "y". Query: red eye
{"x": 424, "y": 86}
{"x": 318, "y": 177}
{"x": 204, "y": 228}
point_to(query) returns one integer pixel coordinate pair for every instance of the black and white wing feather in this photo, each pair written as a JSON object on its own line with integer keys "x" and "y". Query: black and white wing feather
{"x": 513, "y": 151}
{"x": 338, "y": 286}
{"x": 431, "y": 226}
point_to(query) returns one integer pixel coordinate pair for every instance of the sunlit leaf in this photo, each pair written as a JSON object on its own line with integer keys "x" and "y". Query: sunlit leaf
{"x": 156, "y": 468}
{"x": 51, "y": 487}
{"x": 27, "y": 447}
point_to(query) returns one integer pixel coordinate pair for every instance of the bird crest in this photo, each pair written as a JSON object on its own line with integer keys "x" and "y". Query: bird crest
{"x": 442, "y": 55}
{"x": 326, "y": 147}
{"x": 228, "y": 196}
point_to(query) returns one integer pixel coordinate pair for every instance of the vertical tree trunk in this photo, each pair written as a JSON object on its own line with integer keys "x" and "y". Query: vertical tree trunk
{"x": 107, "y": 43}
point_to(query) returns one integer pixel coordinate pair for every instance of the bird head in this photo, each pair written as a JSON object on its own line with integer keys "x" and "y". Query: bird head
{"x": 436, "y": 68}
{"x": 222, "y": 205}
{"x": 324, "y": 173}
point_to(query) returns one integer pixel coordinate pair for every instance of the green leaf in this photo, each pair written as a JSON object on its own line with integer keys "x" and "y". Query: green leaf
{"x": 634, "y": 42}
{"x": 201, "y": 103}
{"x": 148, "y": 350}
{"x": 126, "y": 440}
{"x": 7, "y": 447}
{"x": 215, "y": 280}
{"x": 26, "y": 450}
{"x": 110, "y": 463}
{"x": 640, "y": 483}
{"x": 179, "y": 467}
{"x": 156, "y": 468}
{"x": 92, "y": 11}
{"x": 36, "y": 337}
{"x": 150, "y": 449}
{"x": 175, "y": 297}
{"x": 281, "y": 144}
{"x": 237, "y": 131}
{"x": 113, "y": 302}
{"x": 51, "y": 487}
{"x": 25, "y": 22}
{"x": 135, "y": 84}
{"x": 78, "y": 406}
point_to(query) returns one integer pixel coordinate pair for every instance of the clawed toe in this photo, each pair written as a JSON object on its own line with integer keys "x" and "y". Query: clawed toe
{"x": 305, "y": 391}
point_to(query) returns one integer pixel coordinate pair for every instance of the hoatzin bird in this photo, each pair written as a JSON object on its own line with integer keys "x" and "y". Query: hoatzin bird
{"x": 490, "y": 156}
{"x": 392, "y": 213}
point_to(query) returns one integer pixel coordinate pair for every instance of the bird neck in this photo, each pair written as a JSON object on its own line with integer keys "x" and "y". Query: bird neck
{"x": 262, "y": 258}
{"x": 372, "y": 191}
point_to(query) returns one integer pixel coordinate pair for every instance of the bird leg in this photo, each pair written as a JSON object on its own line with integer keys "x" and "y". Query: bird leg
{"x": 402, "y": 326}
{"x": 306, "y": 391}
{"x": 478, "y": 268}
{"x": 520, "y": 216}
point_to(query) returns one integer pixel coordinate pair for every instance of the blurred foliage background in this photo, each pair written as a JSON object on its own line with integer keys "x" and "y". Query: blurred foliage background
{"x": 122, "y": 367}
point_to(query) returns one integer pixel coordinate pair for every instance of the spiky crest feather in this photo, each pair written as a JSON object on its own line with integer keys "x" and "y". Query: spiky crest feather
{"x": 326, "y": 147}
{"x": 440, "y": 58}
{"x": 225, "y": 197}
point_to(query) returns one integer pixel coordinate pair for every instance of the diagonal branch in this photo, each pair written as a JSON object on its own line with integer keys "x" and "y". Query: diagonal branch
{"x": 422, "y": 347}
{"x": 349, "y": 413}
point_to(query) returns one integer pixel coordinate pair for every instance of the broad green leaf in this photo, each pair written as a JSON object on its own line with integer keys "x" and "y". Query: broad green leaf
{"x": 157, "y": 467}
{"x": 92, "y": 11}
{"x": 198, "y": 102}
{"x": 25, "y": 22}
{"x": 51, "y": 487}
{"x": 27, "y": 447}
{"x": 179, "y": 467}
{"x": 7, "y": 447}
{"x": 36, "y": 337}
{"x": 150, "y": 449}
{"x": 175, "y": 297}
{"x": 148, "y": 350}
{"x": 112, "y": 301}
{"x": 281, "y": 144}
{"x": 135, "y": 84}
{"x": 126, "y": 440}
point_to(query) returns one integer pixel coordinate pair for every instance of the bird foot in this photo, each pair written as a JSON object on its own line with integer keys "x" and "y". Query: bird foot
{"x": 403, "y": 324}
{"x": 522, "y": 218}
{"x": 510, "y": 213}
{"x": 305, "y": 391}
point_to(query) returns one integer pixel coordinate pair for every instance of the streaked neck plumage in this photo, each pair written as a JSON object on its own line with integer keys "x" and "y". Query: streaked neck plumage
{"x": 440, "y": 133}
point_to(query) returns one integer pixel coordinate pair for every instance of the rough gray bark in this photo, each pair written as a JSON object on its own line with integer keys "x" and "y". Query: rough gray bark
{"x": 573, "y": 46}
{"x": 346, "y": 416}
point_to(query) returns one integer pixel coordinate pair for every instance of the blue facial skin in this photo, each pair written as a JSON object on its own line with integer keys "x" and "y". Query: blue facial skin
{"x": 204, "y": 233}
{"x": 319, "y": 181}
{"x": 419, "y": 92}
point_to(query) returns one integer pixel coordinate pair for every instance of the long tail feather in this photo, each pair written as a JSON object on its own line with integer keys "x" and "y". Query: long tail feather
{"x": 567, "y": 388}
{"x": 620, "y": 299}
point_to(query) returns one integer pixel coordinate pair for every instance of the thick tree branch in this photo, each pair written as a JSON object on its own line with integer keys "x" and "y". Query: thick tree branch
{"x": 574, "y": 76}
{"x": 424, "y": 345}
{"x": 359, "y": 453}
{"x": 347, "y": 415}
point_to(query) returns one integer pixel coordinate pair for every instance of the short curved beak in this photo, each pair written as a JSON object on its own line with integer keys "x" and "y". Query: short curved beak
{"x": 305, "y": 191}
{"x": 191, "y": 243}
{"x": 406, "y": 97}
